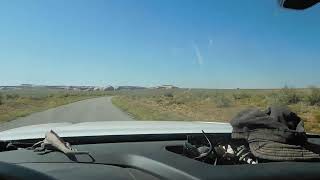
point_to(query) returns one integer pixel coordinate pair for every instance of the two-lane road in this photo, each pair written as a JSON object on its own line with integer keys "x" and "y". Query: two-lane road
{"x": 97, "y": 109}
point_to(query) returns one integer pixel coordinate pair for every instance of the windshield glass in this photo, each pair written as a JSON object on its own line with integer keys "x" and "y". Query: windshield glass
{"x": 82, "y": 61}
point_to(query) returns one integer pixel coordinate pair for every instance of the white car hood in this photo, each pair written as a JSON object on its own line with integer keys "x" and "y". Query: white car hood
{"x": 114, "y": 128}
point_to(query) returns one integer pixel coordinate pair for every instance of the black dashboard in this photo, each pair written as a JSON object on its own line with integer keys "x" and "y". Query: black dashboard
{"x": 147, "y": 157}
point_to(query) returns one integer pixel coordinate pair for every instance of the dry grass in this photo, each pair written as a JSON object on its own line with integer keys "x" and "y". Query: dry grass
{"x": 20, "y": 103}
{"x": 214, "y": 105}
{"x": 178, "y": 104}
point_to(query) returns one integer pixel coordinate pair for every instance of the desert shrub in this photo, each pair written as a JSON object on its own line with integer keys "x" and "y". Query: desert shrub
{"x": 9, "y": 96}
{"x": 203, "y": 95}
{"x": 317, "y": 117}
{"x": 288, "y": 96}
{"x": 12, "y": 96}
{"x": 65, "y": 95}
{"x": 37, "y": 98}
{"x": 241, "y": 95}
{"x": 314, "y": 97}
{"x": 222, "y": 101}
{"x": 50, "y": 95}
{"x": 285, "y": 96}
{"x": 158, "y": 100}
{"x": 1, "y": 99}
{"x": 168, "y": 94}
{"x": 273, "y": 99}
{"x": 16, "y": 96}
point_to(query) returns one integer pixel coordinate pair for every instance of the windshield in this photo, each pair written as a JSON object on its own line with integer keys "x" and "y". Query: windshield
{"x": 84, "y": 61}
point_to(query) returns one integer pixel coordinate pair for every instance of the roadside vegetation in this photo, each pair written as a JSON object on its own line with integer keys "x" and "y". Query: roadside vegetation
{"x": 20, "y": 103}
{"x": 217, "y": 105}
{"x": 171, "y": 104}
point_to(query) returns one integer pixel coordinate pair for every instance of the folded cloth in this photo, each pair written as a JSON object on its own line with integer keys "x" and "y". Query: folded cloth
{"x": 275, "y": 134}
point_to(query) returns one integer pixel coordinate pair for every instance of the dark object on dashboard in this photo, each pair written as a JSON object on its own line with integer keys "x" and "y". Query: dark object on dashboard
{"x": 244, "y": 154}
{"x": 275, "y": 134}
{"x": 217, "y": 152}
{"x": 52, "y": 142}
{"x": 297, "y": 4}
{"x": 235, "y": 154}
{"x": 200, "y": 152}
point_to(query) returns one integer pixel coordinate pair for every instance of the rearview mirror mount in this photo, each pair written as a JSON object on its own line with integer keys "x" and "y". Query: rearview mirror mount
{"x": 297, "y": 4}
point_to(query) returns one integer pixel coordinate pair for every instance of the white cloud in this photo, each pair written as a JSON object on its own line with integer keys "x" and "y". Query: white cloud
{"x": 198, "y": 54}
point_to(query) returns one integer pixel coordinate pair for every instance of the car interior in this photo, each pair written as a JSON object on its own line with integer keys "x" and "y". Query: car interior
{"x": 140, "y": 157}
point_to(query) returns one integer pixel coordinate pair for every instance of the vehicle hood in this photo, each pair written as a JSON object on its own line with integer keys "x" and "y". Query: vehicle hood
{"x": 114, "y": 128}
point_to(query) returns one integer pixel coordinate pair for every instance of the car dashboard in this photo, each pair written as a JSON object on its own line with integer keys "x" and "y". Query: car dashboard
{"x": 149, "y": 157}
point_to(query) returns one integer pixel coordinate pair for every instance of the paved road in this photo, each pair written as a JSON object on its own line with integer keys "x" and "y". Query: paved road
{"x": 97, "y": 109}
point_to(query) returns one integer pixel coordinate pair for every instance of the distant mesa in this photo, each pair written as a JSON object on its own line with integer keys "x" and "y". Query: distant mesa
{"x": 166, "y": 87}
{"x": 129, "y": 87}
{"x": 86, "y": 88}
{"x": 26, "y": 85}
{"x": 106, "y": 88}
{"x": 91, "y": 88}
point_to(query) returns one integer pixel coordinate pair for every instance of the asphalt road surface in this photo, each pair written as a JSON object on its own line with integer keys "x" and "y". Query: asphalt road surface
{"x": 97, "y": 109}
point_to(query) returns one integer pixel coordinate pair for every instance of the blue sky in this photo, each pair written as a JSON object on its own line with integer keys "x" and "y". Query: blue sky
{"x": 202, "y": 44}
